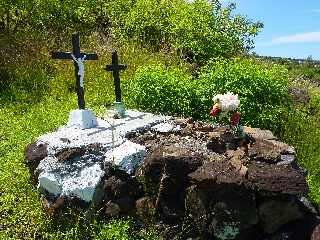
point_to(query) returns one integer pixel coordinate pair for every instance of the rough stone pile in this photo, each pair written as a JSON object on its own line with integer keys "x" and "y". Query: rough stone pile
{"x": 178, "y": 174}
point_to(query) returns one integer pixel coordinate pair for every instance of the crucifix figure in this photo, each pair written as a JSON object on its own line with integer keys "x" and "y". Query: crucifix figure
{"x": 115, "y": 68}
{"x": 78, "y": 58}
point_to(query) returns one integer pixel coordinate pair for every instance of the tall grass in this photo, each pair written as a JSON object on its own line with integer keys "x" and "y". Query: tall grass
{"x": 301, "y": 128}
{"x": 36, "y": 95}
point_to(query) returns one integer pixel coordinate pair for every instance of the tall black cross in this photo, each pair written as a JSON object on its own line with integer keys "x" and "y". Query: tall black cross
{"x": 115, "y": 68}
{"x": 77, "y": 58}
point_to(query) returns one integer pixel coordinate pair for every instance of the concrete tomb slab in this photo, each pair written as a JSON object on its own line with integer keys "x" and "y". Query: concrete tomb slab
{"x": 77, "y": 152}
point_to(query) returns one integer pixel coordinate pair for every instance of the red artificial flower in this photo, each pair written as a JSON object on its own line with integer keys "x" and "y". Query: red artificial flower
{"x": 235, "y": 118}
{"x": 214, "y": 111}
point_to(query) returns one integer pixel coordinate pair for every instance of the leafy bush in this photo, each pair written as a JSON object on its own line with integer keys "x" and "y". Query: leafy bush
{"x": 199, "y": 29}
{"x": 115, "y": 230}
{"x": 154, "y": 88}
{"x": 43, "y": 15}
{"x": 262, "y": 91}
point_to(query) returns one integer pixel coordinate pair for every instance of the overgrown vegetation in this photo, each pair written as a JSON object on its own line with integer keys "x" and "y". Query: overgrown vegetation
{"x": 198, "y": 30}
{"x": 179, "y": 54}
{"x": 263, "y": 91}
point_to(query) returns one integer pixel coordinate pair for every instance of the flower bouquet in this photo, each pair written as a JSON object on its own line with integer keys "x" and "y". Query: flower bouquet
{"x": 228, "y": 103}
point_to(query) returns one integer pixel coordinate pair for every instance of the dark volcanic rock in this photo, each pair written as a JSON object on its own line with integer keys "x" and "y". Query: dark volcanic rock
{"x": 257, "y": 133}
{"x": 307, "y": 206}
{"x": 164, "y": 175}
{"x": 216, "y": 211}
{"x": 207, "y": 179}
{"x": 299, "y": 95}
{"x": 126, "y": 204}
{"x": 217, "y": 145}
{"x": 196, "y": 202}
{"x": 283, "y": 179}
{"x": 275, "y": 213}
{"x": 112, "y": 209}
{"x": 145, "y": 208}
{"x": 120, "y": 190}
{"x": 306, "y": 228}
{"x": 224, "y": 187}
{"x": 56, "y": 206}
{"x": 221, "y": 170}
{"x": 34, "y": 153}
{"x": 121, "y": 186}
{"x": 211, "y": 202}
{"x": 315, "y": 235}
{"x": 270, "y": 151}
{"x": 70, "y": 153}
{"x": 172, "y": 161}
{"x": 221, "y": 140}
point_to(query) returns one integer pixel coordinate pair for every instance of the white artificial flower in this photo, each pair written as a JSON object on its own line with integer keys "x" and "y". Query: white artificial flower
{"x": 217, "y": 97}
{"x": 228, "y": 102}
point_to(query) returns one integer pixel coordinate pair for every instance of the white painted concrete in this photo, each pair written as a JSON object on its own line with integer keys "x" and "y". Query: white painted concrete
{"x": 127, "y": 156}
{"x": 163, "y": 127}
{"x": 81, "y": 177}
{"x": 83, "y": 119}
{"x": 84, "y": 186}
{"x": 49, "y": 183}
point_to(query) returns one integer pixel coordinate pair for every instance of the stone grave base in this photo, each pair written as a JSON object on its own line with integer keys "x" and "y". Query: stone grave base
{"x": 182, "y": 175}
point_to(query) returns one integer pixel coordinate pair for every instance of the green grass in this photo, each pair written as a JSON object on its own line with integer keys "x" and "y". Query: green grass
{"x": 21, "y": 214}
{"x": 301, "y": 128}
{"x": 36, "y": 96}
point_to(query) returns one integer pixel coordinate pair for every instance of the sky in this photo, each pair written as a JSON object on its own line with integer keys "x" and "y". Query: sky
{"x": 291, "y": 27}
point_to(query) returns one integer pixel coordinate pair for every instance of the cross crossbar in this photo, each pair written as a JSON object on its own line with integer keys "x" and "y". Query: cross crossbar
{"x": 67, "y": 55}
{"x": 78, "y": 57}
{"x": 111, "y": 68}
{"x": 115, "y": 69}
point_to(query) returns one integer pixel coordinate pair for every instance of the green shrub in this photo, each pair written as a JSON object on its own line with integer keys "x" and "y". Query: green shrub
{"x": 308, "y": 70}
{"x": 155, "y": 88}
{"x": 262, "y": 91}
{"x": 115, "y": 230}
{"x": 25, "y": 83}
{"x": 38, "y": 16}
{"x": 199, "y": 30}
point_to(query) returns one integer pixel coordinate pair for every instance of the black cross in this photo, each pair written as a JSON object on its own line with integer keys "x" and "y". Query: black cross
{"x": 115, "y": 68}
{"x": 76, "y": 54}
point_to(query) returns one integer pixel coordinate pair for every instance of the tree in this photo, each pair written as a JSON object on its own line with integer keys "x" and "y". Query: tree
{"x": 198, "y": 29}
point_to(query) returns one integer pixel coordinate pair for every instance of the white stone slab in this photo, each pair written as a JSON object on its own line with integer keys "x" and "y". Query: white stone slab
{"x": 134, "y": 121}
{"x": 127, "y": 156}
{"x": 109, "y": 132}
{"x": 82, "y": 118}
{"x": 163, "y": 127}
{"x": 49, "y": 183}
{"x": 78, "y": 177}
{"x": 85, "y": 185}
{"x": 82, "y": 177}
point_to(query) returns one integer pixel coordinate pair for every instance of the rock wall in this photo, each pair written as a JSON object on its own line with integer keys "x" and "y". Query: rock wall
{"x": 203, "y": 179}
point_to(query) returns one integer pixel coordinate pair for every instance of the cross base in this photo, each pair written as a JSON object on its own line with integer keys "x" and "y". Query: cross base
{"x": 83, "y": 119}
{"x": 120, "y": 111}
